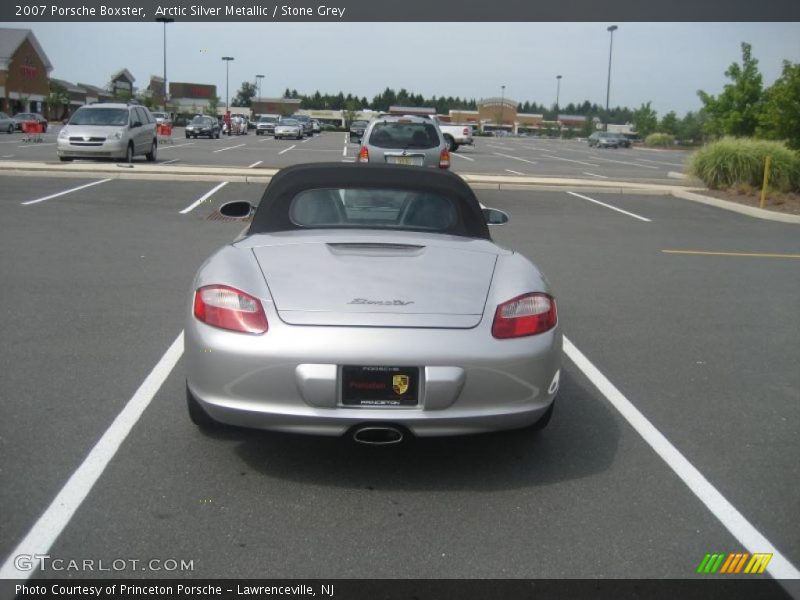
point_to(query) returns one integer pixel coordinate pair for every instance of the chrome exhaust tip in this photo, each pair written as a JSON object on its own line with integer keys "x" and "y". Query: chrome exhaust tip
{"x": 377, "y": 435}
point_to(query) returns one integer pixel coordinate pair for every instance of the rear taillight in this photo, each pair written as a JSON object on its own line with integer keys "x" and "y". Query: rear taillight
{"x": 444, "y": 159}
{"x": 363, "y": 154}
{"x": 228, "y": 308}
{"x": 528, "y": 314}
{"x": 466, "y": 131}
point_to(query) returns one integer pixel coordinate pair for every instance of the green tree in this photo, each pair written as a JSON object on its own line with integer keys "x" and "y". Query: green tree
{"x": 645, "y": 120}
{"x": 690, "y": 128}
{"x": 736, "y": 110}
{"x": 669, "y": 123}
{"x": 57, "y": 101}
{"x": 779, "y": 118}
{"x": 245, "y": 95}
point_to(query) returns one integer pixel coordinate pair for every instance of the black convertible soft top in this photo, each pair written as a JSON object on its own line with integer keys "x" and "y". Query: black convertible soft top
{"x": 273, "y": 211}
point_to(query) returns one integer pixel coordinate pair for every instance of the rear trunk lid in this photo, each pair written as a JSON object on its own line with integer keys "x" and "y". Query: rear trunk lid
{"x": 357, "y": 282}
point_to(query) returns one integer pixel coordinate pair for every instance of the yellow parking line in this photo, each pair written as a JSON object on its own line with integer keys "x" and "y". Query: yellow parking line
{"x": 753, "y": 254}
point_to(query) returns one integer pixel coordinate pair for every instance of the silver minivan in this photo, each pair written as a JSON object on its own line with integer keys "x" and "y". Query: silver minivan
{"x": 119, "y": 131}
{"x": 407, "y": 140}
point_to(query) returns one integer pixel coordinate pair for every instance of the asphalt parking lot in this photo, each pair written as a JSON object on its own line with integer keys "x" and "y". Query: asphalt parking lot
{"x": 515, "y": 156}
{"x": 687, "y": 312}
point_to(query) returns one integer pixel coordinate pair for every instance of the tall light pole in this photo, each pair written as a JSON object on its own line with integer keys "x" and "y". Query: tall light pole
{"x": 165, "y": 20}
{"x": 502, "y": 103}
{"x": 258, "y": 85}
{"x": 227, "y": 60}
{"x": 558, "y": 91}
{"x": 611, "y": 29}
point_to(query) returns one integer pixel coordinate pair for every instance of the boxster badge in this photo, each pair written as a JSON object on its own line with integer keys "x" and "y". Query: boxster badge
{"x": 400, "y": 384}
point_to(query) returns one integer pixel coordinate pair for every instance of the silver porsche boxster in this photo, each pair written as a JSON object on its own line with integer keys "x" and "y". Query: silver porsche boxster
{"x": 370, "y": 300}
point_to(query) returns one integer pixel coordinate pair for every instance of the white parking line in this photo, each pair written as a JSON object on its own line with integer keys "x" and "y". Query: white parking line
{"x": 255, "y": 164}
{"x": 171, "y": 146}
{"x": 229, "y": 148}
{"x": 580, "y": 162}
{"x": 623, "y": 162}
{"x": 35, "y": 145}
{"x": 344, "y": 150}
{"x": 514, "y": 172}
{"x": 348, "y": 160}
{"x": 533, "y": 162}
{"x": 7, "y": 156}
{"x": 624, "y": 212}
{"x": 779, "y": 567}
{"x": 594, "y": 174}
{"x": 462, "y": 156}
{"x": 50, "y": 525}
{"x": 498, "y": 146}
{"x": 287, "y": 149}
{"x": 660, "y": 162}
{"x": 203, "y": 198}
{"x": 69, "y": 191}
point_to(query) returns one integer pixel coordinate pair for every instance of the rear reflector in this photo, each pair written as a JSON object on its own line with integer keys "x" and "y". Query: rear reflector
{"x": 528, "y": 314}
{"x": 466, "y": 131}
{"x": 363, "y": 155}
{"x": 444, "y": 159}
{"x": 228, "y": 308}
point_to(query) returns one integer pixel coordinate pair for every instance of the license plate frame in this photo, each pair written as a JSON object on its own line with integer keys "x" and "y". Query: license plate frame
{"x": 379, "y": 386}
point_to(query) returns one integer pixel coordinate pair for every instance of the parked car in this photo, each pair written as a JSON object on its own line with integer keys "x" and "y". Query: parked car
{"x": 357, "y": 129}
{"x": 603, "y": 139}
{"x": 370, "y": 301}
{"x": 7, "y": 124}
{"x": 21, "y": 118}
{"x": 406, "y": 140}
{"x": 108, "y": 131}
{"x": 305, "y": 121}
{"x": 266, "y": 125}
{"x": 622, "y": 140}
{"x": 315, "y": 126}
{"x": 288, "y": 128}
{"x": 162, "y": 118}
{"x": 204, "y": 126}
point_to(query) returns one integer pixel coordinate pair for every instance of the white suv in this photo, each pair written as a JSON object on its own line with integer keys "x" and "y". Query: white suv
{"x": 119, "y": 131}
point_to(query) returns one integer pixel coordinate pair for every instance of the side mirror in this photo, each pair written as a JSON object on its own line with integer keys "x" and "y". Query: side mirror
{"x": 136, "y": 124}
{"x": 238, "y": 209}
{"x": 494, "y": 216}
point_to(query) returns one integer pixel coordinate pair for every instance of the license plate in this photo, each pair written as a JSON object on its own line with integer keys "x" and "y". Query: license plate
{"x": 405, "y": 160}
{"x": 380, "y": 386}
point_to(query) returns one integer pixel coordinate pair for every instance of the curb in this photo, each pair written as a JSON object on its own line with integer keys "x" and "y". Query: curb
{"x": 475, "y": 181}
{"x": 750, "y": 211}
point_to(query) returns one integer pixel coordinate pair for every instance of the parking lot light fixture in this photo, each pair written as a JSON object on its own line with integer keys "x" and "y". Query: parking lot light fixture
{"x": 165, "y": 20}
{"x": 558, "y": 91}
{"x": 227, "y": 60}
{"x": 502, "y": 102}
{"x": 258, "y": 85}
{"x": 611, "y": 29}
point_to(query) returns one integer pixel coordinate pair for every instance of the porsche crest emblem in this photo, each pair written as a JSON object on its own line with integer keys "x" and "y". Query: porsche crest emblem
{"x": 400, "y": 384}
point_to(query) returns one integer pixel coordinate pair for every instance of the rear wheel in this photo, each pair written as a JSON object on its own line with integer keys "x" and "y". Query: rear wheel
{"x": 10, "y": 128}
{"x": 451, "y": 143}
{"x": 197, "y": 415}
{"x": 151, "y": 156}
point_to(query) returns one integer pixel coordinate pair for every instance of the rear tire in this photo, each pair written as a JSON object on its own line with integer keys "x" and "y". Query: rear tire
{"x": 10, "y": 129}
{"x": 451, "y": 143}
{"x": 151, "y": 156}
{"x": 129, "y": 153}
{"x": 199, "y": 416}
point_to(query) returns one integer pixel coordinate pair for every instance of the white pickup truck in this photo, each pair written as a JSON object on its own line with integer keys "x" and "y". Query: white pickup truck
{"x": 455, "y": 135}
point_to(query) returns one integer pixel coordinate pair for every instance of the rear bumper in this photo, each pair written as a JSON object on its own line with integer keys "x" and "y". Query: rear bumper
{"x": 468, "y": 383}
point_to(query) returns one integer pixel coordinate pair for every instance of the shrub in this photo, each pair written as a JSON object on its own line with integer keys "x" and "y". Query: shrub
{"x": 659, "y": 139}
{"x": 731, "y": 162}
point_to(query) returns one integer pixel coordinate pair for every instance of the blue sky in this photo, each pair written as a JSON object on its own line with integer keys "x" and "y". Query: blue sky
{"x": 665, "y": 63}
